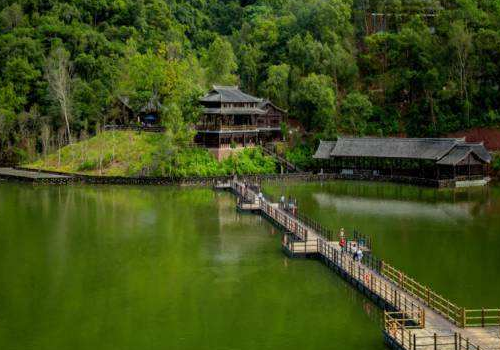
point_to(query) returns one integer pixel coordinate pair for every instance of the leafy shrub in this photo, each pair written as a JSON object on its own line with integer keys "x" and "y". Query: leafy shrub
{"x": 495, "y": 164}
{"x": 301, "y": 156}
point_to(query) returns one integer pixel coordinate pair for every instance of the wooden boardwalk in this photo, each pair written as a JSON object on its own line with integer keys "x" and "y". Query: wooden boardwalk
{"x": 32, "y": 176}
{"x": 415, "y": 317}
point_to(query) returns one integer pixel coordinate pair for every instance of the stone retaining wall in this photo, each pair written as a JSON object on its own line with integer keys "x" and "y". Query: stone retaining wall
{"x": 212, "y": 180}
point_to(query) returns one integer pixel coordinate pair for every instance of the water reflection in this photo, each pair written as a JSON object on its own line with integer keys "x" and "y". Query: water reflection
{"x": 394, "y": 208}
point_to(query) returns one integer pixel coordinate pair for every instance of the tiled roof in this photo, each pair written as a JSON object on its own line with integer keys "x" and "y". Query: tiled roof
{"x": 446, "y": 151}
{"x": 324, "y": 149}
{"x": 228, "y": 94}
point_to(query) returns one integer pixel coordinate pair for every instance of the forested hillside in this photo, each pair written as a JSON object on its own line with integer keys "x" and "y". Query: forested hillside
{"x": 414, "y": 67}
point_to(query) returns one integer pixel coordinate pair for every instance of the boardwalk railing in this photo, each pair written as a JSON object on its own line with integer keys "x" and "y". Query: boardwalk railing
{"x": 430, "y": 298}
{"x": 300, "y": 247}
{"x": 316, "y": 226}
{"x": 285, "y": 220}
{"x": 373, "y": 282}
{"x": 481, "y": 317}
{"x": 458, "y": 315}
{"x": 396, "y": 327}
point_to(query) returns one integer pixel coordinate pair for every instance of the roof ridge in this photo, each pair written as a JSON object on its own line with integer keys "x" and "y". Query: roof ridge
{"x": 406, "y": 139}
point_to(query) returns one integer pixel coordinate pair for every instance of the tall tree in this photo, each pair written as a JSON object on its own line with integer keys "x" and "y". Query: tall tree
{"x": 58, "y": 75}
{"x": 276, "y": 85}
{"x": 461, "y": 42}
{"x": 220, "y": 63}
{"x": 314, "y": 101}
{"x": 355, "y": 111}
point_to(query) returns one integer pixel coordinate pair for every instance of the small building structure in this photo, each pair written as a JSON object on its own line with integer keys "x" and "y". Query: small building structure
{"x": 150, "y": 114}
{"x": 433, "y": 161}
{"x": 123, "y": 115}
{"x": 233, "y": 119}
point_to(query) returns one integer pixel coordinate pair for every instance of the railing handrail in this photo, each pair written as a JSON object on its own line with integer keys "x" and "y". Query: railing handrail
{"x": 407, "y": 338}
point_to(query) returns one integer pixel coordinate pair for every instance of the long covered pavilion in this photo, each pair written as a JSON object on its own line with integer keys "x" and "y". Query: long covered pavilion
{"x": 447, "y": 159}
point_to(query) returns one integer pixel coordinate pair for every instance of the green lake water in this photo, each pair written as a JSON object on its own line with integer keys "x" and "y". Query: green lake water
{"x": 448, "y": 239}
{"x": 168, "y": 268}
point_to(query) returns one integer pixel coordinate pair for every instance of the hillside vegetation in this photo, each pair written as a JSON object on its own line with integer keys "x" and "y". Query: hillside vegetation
{"x": 425, "y": 69}
{"x": 149, "y": 154}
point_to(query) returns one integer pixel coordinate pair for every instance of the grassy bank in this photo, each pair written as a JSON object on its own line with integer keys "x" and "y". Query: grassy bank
{"x": 123, "y": 153}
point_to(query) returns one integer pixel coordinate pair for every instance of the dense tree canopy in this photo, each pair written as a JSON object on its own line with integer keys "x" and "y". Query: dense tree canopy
{"x": 350, "y": 66}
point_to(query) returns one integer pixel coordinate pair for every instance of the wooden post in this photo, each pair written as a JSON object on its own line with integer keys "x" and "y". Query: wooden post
{"x": 428, "y": 295}
{"x": 467, "y": 343}
{"x": 414, "y": 341}
{"x": 482, "y": 317}
{"x": 456, "y": 341}
{"x": 464, "y": 320}
{"x": 435, "y": 341}
{"x": 402, "y": 336}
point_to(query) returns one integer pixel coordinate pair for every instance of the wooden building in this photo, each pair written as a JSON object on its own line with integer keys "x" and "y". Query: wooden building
{"x": 233, "y": 119}
{"x": 423, "y": 158}
{"x": 122, "y": 114}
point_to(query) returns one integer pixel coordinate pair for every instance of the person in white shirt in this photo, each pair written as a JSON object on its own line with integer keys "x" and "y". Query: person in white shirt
{"x": 359, "y": 254}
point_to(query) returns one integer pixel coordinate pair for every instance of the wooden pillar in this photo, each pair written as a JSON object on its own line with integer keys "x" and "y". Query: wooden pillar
{"x": 468, "y": 164}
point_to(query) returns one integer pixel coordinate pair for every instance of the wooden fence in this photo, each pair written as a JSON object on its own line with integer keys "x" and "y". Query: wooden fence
{"x": 398, "y": 328}
{"x": 371, "y": 281}
{"x": 458, "y": 315}
{"x": 481, "y": 317}
{"x": 432, "y": 299}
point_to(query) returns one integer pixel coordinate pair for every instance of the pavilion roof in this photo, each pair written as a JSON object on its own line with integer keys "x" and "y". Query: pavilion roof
{"x": 443, "y": 150}
{"x": 266, "y": 102}
{"x": 460, "y": 152}
{"x": 228, "y": 94}
{"x": 324, "y": 149}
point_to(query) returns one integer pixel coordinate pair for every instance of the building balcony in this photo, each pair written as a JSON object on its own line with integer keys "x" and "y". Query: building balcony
{"x": 238, "y": 128}
{"x": 226, "y": 128}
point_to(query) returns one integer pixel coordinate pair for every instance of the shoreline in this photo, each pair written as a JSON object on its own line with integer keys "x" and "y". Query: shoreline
{"x": 35, "y": 176}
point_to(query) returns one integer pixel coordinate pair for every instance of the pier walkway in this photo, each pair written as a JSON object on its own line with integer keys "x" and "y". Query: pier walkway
{"x": 415, "y": 317}
{"x": 32, "y": 176}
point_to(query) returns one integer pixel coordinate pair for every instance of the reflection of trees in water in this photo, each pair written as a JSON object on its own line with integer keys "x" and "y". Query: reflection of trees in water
{"x": 380, "y": 190}
{"x": 395, "y": 208}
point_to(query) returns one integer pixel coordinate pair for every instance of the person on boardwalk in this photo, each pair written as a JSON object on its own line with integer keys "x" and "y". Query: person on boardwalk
{"x": 359, "y": 254}
{"x": 261, "y": 197}
{"x": 341, "y": 233}
{"x": 342, "y": 243}
{"x": 282, "y": 201}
